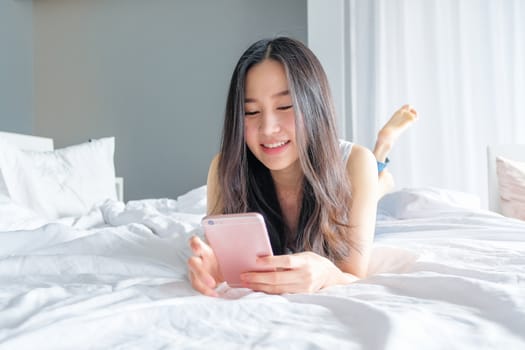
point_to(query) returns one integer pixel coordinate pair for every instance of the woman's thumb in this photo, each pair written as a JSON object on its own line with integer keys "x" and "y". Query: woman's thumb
{"x": 199, "y": 247}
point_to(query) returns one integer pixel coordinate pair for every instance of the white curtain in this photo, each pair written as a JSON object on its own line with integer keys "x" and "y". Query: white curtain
{"x": 461, "y": 63}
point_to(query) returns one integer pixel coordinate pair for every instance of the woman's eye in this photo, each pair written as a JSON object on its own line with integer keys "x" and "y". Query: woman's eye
{"x": 250, "y": 112}
{"x": 283, "y": 108}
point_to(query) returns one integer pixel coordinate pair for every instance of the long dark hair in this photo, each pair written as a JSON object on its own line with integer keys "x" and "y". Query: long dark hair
{"x": 246, "y": 184}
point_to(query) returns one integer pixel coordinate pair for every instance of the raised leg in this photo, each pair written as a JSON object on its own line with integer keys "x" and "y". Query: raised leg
{"x": 386, "y": 138}
{"x": 393, "y": 128}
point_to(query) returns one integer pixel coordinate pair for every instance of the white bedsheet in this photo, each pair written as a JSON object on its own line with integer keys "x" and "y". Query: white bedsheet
{"x": 451, "y": 277}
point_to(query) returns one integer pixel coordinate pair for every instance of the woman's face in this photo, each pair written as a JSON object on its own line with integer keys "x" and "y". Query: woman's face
{"x": 269, "y": 122}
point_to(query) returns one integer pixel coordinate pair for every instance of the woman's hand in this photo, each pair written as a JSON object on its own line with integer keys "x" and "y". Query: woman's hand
{"x": 302, "y": 272}
{"x": 203, "y": 268}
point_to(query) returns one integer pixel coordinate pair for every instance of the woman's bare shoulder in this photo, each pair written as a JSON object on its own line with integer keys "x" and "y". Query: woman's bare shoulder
{"x": 213, "y": 187}
{"x": 214, "y": 164}
{"x": 361, "y": 159}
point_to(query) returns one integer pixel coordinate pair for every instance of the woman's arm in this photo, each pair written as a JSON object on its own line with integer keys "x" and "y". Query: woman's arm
{"x": 309, "y": 272}
{"x": 362, "y": 173}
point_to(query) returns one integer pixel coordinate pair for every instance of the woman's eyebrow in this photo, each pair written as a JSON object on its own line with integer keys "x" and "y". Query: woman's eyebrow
{"x": 279, "y": 94}
{"x": 282, "y": 93}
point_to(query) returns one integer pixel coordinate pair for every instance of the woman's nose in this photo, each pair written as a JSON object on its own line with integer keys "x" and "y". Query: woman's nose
{"x": 269, "y": 124}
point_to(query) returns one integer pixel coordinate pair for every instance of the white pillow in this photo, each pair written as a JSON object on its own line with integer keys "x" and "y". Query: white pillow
{"x": 409, "y": 203}
{"x": 60, "y": 183}
{"x": 511, "y": 183}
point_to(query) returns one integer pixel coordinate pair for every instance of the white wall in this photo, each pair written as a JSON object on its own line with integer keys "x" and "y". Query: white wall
{"x": 16, "y": 66}
{"x": 328, "y": 39}
{"x": 152, "y": 73}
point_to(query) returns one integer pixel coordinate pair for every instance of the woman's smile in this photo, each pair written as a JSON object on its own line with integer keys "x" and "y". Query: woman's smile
{"x": 275, "y": 148}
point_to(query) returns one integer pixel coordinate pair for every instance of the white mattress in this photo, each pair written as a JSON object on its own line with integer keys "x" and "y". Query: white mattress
{"x": 444, "y": 275}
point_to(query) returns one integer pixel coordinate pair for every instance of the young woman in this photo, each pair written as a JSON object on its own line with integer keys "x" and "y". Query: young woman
{"x": 280, "y": 156}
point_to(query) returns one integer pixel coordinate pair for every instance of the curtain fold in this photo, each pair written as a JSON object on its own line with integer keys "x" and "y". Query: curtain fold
{"x": 460, "y": 63}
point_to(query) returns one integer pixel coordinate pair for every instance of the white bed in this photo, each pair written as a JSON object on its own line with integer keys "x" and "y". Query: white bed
{"x": 444, "y": 275}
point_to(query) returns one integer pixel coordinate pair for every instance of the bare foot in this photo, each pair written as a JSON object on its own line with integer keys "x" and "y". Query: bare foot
{"x": 388, "y": 135}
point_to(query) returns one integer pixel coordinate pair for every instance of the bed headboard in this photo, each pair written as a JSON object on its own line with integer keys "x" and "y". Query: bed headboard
{"x": 44, "y": 144}
{"x": 514, "y": 152}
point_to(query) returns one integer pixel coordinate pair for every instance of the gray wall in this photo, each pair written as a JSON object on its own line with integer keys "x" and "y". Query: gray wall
{"x": 152, "y": 73}
{"x": 16, "y": 66}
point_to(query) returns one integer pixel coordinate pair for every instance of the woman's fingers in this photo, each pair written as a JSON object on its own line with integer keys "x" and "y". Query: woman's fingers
{"x": 272, "y": 277}
{"x": 195, "y": 245}
{"x": 202, "y": 267}
{"x": 200, "y": 248}
{"x": 201, "y": 287}
{"x": 289, "y": 269}
{"x": 196, "y": 265}
{"x": 288, "y": 261}
{"x": 301, "y": 272}
{"x": 289, "y": 281}
{"x": 200, "y": 279}
{"x": 281, "y": 261}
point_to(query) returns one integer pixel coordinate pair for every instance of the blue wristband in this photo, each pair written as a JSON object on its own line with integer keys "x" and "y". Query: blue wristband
{"x": 381, "y": 166}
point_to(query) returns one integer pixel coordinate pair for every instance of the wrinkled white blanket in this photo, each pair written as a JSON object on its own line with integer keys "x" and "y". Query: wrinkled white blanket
{"x": 444, "y": 275}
